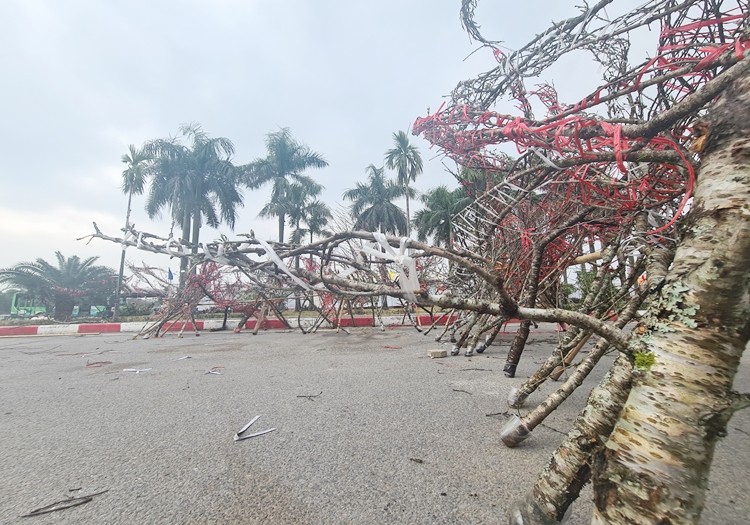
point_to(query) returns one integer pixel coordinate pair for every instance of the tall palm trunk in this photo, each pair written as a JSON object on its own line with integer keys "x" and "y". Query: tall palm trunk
{"x": 185, "y": 237}
{"x": 282, "y": 219}
{"x": 122, "y": 261}
{"x": 655, "y": 466}
{"x": 408, "y": 215}
{"x": 196, "y": 232}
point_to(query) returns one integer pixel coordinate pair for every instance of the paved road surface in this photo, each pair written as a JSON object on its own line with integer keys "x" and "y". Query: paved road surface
{"x": 386, "y": 435}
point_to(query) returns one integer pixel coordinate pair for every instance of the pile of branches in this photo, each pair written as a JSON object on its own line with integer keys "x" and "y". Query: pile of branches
{"x": 604, "y": 179}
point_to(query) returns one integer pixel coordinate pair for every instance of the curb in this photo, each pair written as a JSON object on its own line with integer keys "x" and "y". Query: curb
{"x": 268, "y": 324}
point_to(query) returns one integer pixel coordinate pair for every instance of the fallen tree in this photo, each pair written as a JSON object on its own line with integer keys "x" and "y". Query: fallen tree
{"x": 651, "y": 170}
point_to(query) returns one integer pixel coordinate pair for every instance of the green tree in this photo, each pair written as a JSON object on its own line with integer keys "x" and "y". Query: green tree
{"x": 6, "y": 299}
{"x": 196, "y": 182}
{"x": 291, "y": 204}
{"x": 133, "y": 183}
{"x": 436, "y": 218}
{"x": 476, "y": 181}
{"x": 405, "y": 158}
{"x": 134, "y": 175}
{"x": 60, "y": 287}
{"x": 285, "y": 162}
{"x": 302, "y": 207}
{"x": 317, "y": 214}
{"x": 372, "y": 206}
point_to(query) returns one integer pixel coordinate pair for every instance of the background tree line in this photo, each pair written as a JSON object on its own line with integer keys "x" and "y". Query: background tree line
{"x": 192, "y": 177}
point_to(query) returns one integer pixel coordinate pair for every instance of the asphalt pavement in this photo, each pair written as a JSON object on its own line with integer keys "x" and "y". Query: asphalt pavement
{"x": 369, "y": 430}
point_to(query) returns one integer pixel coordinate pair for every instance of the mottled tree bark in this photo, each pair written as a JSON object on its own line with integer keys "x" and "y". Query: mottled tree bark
{"x": 513, "y": 436}
{"x": 655, "y": 466}
{"x": 541, "y": 375}
{"x": 569, "y": 468}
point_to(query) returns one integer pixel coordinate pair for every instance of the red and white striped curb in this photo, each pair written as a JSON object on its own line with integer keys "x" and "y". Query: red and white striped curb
{"x": 112, "y": 328}
{"x": 268, "y": 324}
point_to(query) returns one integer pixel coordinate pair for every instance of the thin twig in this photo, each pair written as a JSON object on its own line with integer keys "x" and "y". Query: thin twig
{"x": 311, "y": 398}
{"x": 63, "y": 504}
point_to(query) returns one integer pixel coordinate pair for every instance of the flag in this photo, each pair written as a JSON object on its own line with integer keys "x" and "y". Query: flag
{"x": 170, "y": 276}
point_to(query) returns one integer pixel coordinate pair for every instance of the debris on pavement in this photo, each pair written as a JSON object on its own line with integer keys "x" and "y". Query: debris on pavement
{"x": 239, "y": 435}
{"x": 216, "y": 370}
{"x": 97, "y": 364}
{"x": 136, "y": 370}
{"x": 183, "y": 357}
{"x": 434, "y": 354}
{"x": 312, "y": 397}
{"x": 63, "y": 504}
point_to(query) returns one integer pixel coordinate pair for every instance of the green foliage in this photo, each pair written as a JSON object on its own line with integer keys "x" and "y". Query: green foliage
{"x": 197, "y": 182}
{"x": 372, "y": 206}
{"x": 6, "y": 298}
{"x": 643, "y": 360}
{"x": 283, "y": 166}
{"x": 59, "y": 287}
{"x": 136, "y": 309}
{"x": 436, "y": 218}
{"x": 134, "y": 176}
{"x": 405, "y": 158}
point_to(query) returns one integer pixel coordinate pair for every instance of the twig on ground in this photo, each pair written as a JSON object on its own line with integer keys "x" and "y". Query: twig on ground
{"x": 63, "y": 504}
{"x": 311, "y": 398}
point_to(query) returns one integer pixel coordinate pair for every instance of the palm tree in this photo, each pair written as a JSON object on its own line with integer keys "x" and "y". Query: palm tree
{"x": 285, "y": 163}
{"x": 60, "y": 287}
{"x": 404, "y": 157}
{"x": 301, "y": 206}
{"x": 372, "y": 206}
{"x": 193, "y": 181}
{"x": 317, "y": 214}
{"x": 436, "y": 219}
{"x": 292, "y": 202}
{"x": 133, "y": 182}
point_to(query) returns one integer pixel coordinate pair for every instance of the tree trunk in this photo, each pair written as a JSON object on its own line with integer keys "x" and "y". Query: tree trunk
{"x": 121, "y": 272}
{"x": 297, "y": 299}
{"x": 186, "y": 238}
{"x": 516, "y": 348}
{"x": 282, "y": 219}
{"x": 63, "y": 307}
{"x": 531, "y": 290}
{"x": 196, "y": 232}
{"x": 655, "y": 466}
{"x": 408, "y": 217}
{"x": 514, "y": 435}
{"x": 569, "y": 468}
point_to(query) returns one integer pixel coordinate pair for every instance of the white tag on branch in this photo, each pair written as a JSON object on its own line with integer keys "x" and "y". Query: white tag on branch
{"x": 406, "y": 266}
{"x": 274, "y": 258}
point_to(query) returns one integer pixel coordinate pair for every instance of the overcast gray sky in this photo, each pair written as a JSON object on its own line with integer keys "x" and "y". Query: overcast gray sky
{"x": 82, "y": 79}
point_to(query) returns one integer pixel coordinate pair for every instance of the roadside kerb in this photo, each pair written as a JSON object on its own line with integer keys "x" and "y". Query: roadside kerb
{"x": 210, "y": 324}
